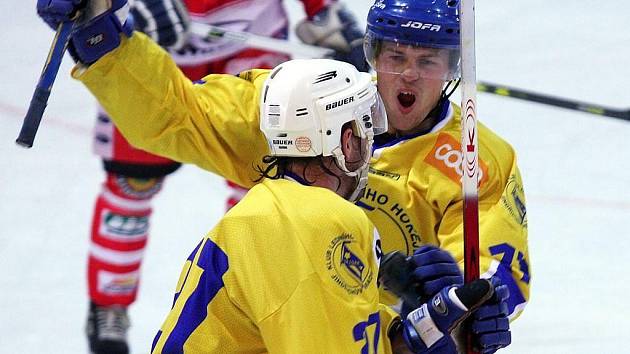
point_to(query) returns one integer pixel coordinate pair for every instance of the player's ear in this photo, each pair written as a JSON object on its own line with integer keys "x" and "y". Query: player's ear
{"x": 347, "y": 141}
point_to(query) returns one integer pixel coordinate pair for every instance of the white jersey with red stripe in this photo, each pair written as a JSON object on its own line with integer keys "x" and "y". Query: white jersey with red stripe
{"x": 200, "y": 58}
{"x": 262, "y": 17}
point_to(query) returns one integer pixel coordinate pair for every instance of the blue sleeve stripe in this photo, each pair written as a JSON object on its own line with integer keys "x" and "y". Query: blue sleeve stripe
{"x": 155, "y": 340}
{"x": 516, "y": 299}
{"x": 214, "y": 263}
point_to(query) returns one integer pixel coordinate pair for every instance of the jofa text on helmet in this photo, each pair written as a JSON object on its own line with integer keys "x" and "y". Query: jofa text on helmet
{"x": 422, "y": 26}
{"x": 339, "y": 103}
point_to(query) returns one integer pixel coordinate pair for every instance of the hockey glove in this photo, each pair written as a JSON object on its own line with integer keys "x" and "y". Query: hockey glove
{"x": 165, "y": 21}
{"x": 434, "y": 270}
{"x": 336, "y": 28}
{"x": 490, "y": 325}
{"x": 53, "y": 12}
{"x": 98, "y": 28}
{"x": 427, "y": 329}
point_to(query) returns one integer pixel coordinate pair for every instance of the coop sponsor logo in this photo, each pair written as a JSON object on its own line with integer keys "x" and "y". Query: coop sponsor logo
{"x": 446, "y": 156}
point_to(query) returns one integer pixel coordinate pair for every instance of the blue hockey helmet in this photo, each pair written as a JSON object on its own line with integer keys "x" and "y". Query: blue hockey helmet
{"x": 404, "y": 24}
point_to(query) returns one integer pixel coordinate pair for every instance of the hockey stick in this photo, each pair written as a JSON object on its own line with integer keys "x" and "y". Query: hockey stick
{"x": 250, "y": 40}
{"x": 512, "y": 92}
{"x": 44, "y": 85}
{"x": 309, "y": 51}
{"x": 470, "y": 152}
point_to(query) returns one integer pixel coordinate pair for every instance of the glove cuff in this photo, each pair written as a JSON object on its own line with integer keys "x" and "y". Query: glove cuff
{"x": 420, "y": 331}
{"x": 99, "y": 36}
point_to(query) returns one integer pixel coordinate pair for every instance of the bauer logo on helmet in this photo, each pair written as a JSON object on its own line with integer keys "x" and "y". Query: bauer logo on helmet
{"x": 339, "y": 103}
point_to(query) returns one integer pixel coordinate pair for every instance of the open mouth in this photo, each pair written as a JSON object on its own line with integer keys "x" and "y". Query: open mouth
{"x": 406, "y": 99}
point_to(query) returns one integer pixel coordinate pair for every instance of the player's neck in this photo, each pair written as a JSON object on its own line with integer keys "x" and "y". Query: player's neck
{"x": 324, "y": 175}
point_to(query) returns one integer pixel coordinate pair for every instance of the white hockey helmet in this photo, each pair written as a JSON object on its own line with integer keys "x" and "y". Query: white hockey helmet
{"x": 305, "y": 103}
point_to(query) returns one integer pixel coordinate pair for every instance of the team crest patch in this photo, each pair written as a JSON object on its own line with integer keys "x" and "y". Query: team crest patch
{"x": 513, "y": 200}
{"x": 345, "y": 266}
{"x": 446, "y": 156}
{"x": 139, "y": 187}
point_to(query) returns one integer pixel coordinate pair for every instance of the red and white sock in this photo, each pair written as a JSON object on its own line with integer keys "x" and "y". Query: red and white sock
{"x": 120, "y": 227}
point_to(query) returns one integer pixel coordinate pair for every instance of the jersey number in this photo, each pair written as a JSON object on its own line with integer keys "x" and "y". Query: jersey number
{"x": 508, "y": 256}
{"x": 360, "y": 333}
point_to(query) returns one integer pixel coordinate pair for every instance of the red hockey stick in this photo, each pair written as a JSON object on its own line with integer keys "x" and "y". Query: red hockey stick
{"x": 470, "y": 148}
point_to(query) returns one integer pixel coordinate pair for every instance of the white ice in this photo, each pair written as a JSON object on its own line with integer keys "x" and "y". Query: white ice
{"x": 574, "y": 165}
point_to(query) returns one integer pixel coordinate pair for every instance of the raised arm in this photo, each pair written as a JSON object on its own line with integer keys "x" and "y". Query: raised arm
{"x": 213, "y": 124}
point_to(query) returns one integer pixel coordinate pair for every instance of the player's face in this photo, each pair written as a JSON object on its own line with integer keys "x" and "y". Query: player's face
{"x": 411, "y": 86}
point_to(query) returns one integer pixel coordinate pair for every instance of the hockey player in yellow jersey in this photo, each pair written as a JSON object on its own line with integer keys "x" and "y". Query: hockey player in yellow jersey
{"x": 413, "y": 194}
{"x": 280, "y": 273}
{"x": 278, "y": 268}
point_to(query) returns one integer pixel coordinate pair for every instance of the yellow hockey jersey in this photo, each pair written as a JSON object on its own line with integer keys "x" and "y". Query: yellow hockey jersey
{"x": 413, "y": 195}
{"x": 281, "y": 274}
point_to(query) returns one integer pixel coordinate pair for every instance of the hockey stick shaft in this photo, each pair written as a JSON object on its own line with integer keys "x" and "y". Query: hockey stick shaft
{"x": 44, "y": 86}
{"x": 310, "y": 51}
{"x": 470, "y": 149}
{"x": 250, "y": 40}
{"x": 550, "y": 100}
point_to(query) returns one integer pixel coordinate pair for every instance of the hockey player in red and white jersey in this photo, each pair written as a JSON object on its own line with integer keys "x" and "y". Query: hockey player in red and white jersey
{"x": 122, "y": 211}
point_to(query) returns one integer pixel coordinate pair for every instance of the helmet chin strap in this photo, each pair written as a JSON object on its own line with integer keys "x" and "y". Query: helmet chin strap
{"x": 445, "y": 95}
{"x": 360, "y": 174}
{"x": 362, "y": 178}
{"x": 436, "y": 111}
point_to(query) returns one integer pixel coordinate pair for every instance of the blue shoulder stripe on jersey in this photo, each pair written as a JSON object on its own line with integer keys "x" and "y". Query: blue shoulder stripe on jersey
{"x": 199, "y": 82}
{"x": 214, "y": 263}
{"x": 190, "y": 258}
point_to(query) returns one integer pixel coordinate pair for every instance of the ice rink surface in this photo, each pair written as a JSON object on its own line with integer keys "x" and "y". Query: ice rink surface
{"x": 574, "y": 166}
